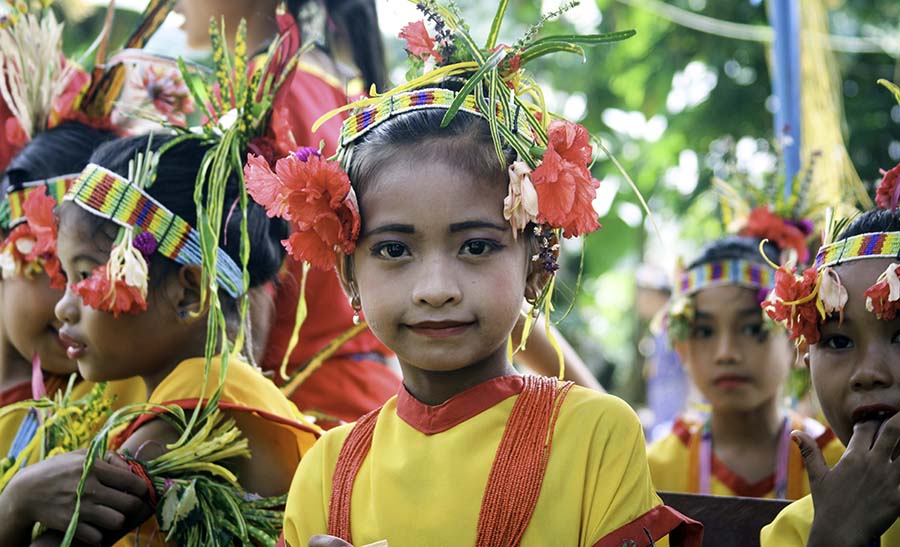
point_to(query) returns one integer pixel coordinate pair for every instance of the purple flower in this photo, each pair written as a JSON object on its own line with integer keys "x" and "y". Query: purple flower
{"x": 304, "y": 153}
{"x": 146, "y": 243}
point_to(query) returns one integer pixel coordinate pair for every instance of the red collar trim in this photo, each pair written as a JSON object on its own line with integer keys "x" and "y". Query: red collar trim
{"x": 459, "y": 408}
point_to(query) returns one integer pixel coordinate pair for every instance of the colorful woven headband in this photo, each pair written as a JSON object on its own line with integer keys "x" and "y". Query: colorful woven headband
{"x": 871, "y": 245}
{"x": 12, "y": 210}
{"x": 736, "y": 272}
{"x": 109, "y": 195}
{"x": 363, "y": 120}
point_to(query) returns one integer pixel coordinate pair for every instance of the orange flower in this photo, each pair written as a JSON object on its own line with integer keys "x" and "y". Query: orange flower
{"x": 38, "y": 208}
{"x": 98, "y": 292}
{"x": 793, "y": 306}
{"x": 315, "y": 196}
{"x": 883, "y": 298}
{"x": 765, "y": 224}
{"x": 566, "y": 190}
{"x": 418, "y": 42}
{"x": 884, "y": 196}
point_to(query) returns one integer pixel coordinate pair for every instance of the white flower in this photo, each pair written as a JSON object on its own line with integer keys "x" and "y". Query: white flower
{"x": 520, "y": 206}
{"x": 25, "y": 245}
{"x": 832, "y": 292}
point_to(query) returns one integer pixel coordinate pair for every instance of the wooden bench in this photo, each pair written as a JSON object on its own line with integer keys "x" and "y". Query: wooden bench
{"x": 727, "y": 521}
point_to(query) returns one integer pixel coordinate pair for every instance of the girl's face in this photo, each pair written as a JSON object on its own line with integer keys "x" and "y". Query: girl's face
{"x": 440, "y": 277}
{"x": 106, "y": 347}
{"x": 855, "y": 367}
{"x": 28, "y": 319}
{"x": 735, "y": 362}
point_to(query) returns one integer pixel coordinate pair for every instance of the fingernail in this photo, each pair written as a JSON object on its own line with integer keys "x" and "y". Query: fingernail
{"x": 795, "y": 436}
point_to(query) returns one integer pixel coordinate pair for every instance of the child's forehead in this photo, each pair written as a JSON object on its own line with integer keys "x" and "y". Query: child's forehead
{"x": 859, "y": 275}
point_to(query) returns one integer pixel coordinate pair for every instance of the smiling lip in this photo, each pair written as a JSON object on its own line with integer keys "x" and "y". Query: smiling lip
{"x": 58, "y": 338}
{"x": 74, "y": 348}
{"x": 873, "y": 412}
{"x": 731, "y": 381}
{"x": 440, "y": 329}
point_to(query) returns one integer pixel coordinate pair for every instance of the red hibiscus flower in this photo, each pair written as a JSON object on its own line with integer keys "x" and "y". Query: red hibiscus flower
{"x": 20, "y": 243}
{"x": 38, "y": 208}
{"x": 566, "y": 190}
{"x": 98, "y": 292}
{"x": 316, "y": 197}
{"x": 418, "y": 42}
{"x": 795, "y": 304}
{"x": 765, "y": 224}
{"x": 885, "y": 195}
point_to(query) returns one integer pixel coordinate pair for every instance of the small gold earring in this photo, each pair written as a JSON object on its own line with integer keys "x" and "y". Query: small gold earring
{"x": 357, "y": 307}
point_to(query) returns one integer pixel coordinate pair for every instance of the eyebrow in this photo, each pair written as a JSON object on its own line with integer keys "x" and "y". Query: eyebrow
{"x": 391, "y": 228}
{"x": 475, "y": 224}
{"x": 750, "y": 311}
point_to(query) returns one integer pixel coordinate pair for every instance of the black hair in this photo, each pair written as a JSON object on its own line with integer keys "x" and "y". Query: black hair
{"x": 875, "y": 220}
{"x": 466, "y": 139}
{"x": 358, "y": 20}
{"x": 736, "y": 248}
{"x": 174, "y": 188}
{"x": 59, "y": 151}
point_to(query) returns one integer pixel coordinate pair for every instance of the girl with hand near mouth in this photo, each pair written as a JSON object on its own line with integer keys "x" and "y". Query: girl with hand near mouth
{"x": 442, "y": 231}
{"x": 847, "y": 313}
{"x": 740, "y": 364}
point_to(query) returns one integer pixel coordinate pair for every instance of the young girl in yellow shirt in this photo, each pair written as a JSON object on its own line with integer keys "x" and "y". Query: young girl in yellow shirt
{"x": 443, "y": 228}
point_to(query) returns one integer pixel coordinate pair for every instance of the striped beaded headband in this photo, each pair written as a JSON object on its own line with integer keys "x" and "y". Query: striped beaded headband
{"x": 362, "y": 121}
{"x": 12, "y": 211}
{"x": 871, "y": 245}
{"x": 726, "y": 272}
{"x": 109, "y": 195}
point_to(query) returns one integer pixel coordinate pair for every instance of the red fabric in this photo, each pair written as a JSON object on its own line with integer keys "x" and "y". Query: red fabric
{"x": 459, "y": 408}
{"x": 9, "y": 136}
{"x": 344, "y": 389}
{"x": 15, "y": 394}
{"x": 657, "y": 522}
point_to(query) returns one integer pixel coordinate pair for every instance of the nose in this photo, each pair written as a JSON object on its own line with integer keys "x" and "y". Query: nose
{"x": 873, "y": 371}
{"x": 726, "y": 350}
{"x": 436, "y": 285}
{"x": 68, "y": 309}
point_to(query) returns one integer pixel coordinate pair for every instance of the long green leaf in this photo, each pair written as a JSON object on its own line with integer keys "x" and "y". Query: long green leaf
{"x": 495, "y": 25}
{"x": 546, "y": 49}
{"x": 490, "y": 64}
{"x": 586, "y": 39}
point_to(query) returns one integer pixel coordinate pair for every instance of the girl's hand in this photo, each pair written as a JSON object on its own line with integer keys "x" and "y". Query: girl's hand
{"x": 46, "y": 492}
{"x": 859, "y": 499}
{"x": 327, "y": 541}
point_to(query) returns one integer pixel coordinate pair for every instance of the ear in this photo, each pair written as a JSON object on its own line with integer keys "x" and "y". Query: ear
{"x": 806, "y": 360}
{"x": 347, "y": 276}
{"x": 186, "y": 287}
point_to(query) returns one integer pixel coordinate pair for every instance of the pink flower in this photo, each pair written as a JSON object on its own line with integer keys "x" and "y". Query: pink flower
{"x": 98, "y": 292}
{"x": 418, "y": 42}
{"x": 315, "y": 197}
{"x": 38, "y": 208}
{"x": 885, "y": 196}
{"x": 566, "y": 190}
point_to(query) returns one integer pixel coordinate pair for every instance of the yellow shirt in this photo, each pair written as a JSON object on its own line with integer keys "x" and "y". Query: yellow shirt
{"x": 245, "y": 390}
{"x": 424, "y": 477}
{"x": 674, "y": 463}
{"x": 791, "y": 527}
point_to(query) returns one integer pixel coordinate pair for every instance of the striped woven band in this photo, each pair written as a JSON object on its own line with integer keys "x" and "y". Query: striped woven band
{"x": 872, "y": 245}
{"x": 362, "y": 121}
{"x": 12, "y": 212}
{"x": 727, "y": 272}
{"x": 108, "y": 195}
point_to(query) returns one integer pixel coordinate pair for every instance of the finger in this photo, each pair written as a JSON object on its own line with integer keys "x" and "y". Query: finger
{"x": 816, "y": 467}
{"x": 127, "y": 504}
{"x": 887, "y": 438}
{"x": 119, "y": 478}
{"x": 863, "y": 436}
{"x": 87, "y": 534}
{"x": 101, "y": 516}
{"x": 327, "y": 541}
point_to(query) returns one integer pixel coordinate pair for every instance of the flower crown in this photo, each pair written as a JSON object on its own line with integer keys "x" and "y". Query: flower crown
{"x": 550, "y": 182}
{"x": 120, "y": 285}
{"x": 804, "y": 302}
{"x": 42, "y": 89}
